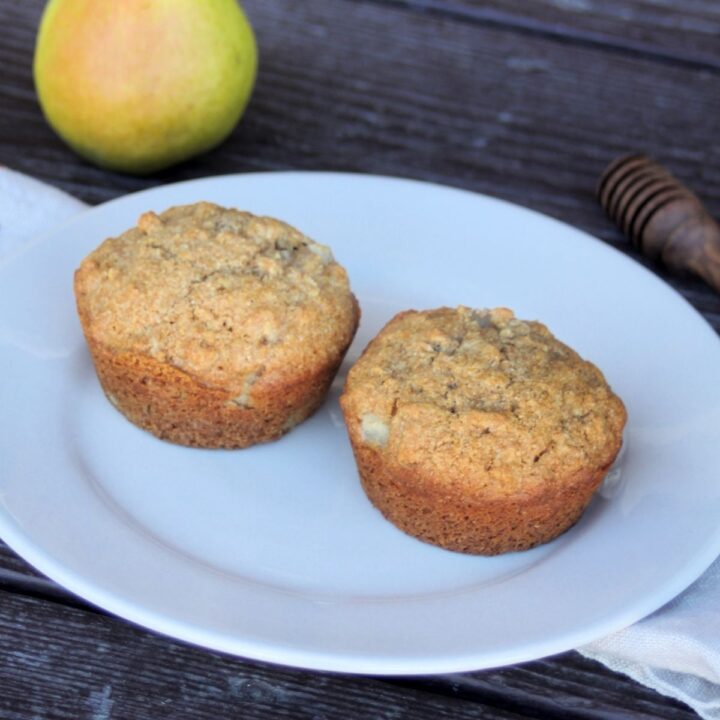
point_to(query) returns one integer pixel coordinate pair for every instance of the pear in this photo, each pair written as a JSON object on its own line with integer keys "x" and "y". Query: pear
{"x": 139, "y": 85}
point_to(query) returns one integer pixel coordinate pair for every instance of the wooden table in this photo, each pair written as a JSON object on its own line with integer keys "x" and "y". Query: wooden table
{"x": 523, "y": 101}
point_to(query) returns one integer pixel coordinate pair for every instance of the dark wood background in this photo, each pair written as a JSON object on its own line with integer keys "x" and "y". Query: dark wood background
{"x": 527, "y": 101}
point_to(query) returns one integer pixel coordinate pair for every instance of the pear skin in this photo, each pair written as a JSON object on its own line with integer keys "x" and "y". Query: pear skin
{"x": 140, "y": 85}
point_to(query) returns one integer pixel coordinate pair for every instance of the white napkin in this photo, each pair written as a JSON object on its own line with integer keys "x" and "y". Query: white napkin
{"x": 676, "y": 650}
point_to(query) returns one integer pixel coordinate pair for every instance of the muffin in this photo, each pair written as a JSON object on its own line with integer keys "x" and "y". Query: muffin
{"x": 479, "y": 432}
{"x": 212, "y": 327}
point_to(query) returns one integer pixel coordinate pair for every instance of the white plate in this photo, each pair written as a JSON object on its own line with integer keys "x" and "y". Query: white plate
{"x": 274, "y": 552}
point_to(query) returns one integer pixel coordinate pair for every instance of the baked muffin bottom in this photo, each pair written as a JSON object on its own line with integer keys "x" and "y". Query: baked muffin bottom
{"x": 424, "y": 508}
{"x": 174, "y": 406}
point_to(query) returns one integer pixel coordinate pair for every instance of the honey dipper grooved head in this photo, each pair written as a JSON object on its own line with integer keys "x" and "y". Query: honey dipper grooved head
{"x": 661, "y": 216}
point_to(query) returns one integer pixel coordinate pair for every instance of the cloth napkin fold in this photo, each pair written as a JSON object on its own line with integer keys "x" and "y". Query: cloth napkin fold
{"x": 676, "y": 650}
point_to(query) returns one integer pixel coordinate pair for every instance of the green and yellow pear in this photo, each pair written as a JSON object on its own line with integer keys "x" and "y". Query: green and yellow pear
{"x": 139, "y": 85}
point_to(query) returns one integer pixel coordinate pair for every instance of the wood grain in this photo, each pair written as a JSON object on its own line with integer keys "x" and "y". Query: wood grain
{"x": 565, "y": 687}
{"x": 11, "y": 565}
{"x": 684, "y": 33}
{"x": 456, "y": 103}
{"x": 60, "y": 662}
{"x": 523, "y": 101}
{"x": 63, "y": 659}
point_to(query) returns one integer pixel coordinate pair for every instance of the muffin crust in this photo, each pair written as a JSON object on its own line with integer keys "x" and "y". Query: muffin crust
{"x": 479, "y": 432}
{"x": 213, "y": 327}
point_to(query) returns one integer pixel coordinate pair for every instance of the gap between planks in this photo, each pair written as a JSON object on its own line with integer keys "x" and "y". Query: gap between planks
{"x": 559, "y": 32}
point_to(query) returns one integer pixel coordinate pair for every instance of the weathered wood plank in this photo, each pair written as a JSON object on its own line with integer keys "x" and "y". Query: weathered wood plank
{"x": 463, "y": 104}
{"x": 525, "y": 101}
{"x": 63, "y": 662}
{"x": 680, "y": 32}
{"x": 567, "y": 686}
{"x": 564, "y": 687}
{"x": 11, "y": 562}
{"x": 59, "y": 662}
{"x": 564, "y": 684}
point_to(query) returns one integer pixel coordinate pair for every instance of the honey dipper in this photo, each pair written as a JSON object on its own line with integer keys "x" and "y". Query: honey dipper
{"x": 663, "y": 218}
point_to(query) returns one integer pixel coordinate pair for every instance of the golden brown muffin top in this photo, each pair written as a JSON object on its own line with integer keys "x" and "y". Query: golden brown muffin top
{"x": 221, "y": 294}
{"x": 480, "y": 397}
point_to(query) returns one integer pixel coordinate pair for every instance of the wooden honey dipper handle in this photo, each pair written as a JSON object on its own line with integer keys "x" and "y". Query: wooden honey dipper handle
{"x": 661, "y": 216}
